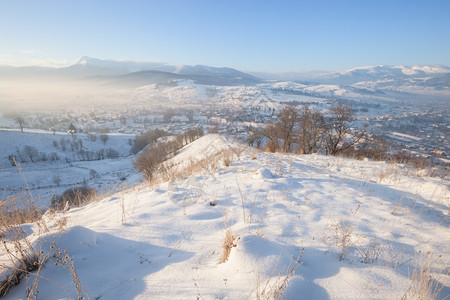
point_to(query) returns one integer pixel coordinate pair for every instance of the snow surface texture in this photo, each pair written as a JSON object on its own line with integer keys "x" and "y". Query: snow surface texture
{"x": 139, "y": 244}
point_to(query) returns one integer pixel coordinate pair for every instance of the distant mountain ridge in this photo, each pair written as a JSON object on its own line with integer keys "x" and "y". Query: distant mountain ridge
{"x": 132, "y": 73}
{"x": 382, "y": 72}
{"x": 379, "y": 76}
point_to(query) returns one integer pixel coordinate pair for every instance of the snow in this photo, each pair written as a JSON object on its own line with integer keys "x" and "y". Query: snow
{"x": 403, "y": 136}
{"x": 139, "y": 244}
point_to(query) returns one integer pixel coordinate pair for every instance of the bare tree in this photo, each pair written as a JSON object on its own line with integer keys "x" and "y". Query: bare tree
{"x": 57, "y": 179}
{"x": 259, "y": 137}
{"x": 32, "y": 152}
{"x": 251, "y": 139}
{"x": 311, "y": 130}
{"x": 21, "y": 121}
{"x": 190, "y": 115}
{"x": 72, "y": 130}
{"x": 288, "y": 117}
{"x": 104, "y": 138}
{"x": 271, "y": 133}
{"x": 338, "y": 135}
{"x": 256, "y": 137}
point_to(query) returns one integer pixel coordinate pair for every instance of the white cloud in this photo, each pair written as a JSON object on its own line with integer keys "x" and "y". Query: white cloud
{"x": 10, "y": 60}
{"x": 30, "y": 51}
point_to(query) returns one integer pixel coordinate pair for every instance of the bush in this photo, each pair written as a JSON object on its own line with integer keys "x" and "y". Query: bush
{"x": 402, "y": 157}
{"x": 150, "y": 162}
{"x": 92, "y": 137}
{"x": 100, "y": 154}
{"x": 149, "y": 138}
{"x": 94, "y": 174}
{"x": 111, "y": 153}
{"x": 43, "y": 156}
{"x": 73, "y": 197}
{"x": 31, "y": 152}
{"x": 54, "y": 156}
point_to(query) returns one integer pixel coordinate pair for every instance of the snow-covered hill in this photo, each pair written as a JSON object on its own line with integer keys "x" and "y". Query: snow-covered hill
{"x": 302, "y": 227}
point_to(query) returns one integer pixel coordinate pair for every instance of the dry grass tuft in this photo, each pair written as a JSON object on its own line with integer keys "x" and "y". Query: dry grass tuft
{"x": 228, "y": 244}
{"x": 425, "y": 284}
{"x": 18, "y": 209}
{"x": 61, "y": 258}
{"x": 24, "y": 266}
{"x": 274, "y": 287}
{"x": 22, "y": 257}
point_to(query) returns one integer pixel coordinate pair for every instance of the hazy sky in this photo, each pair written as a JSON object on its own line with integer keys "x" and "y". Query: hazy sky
{"x": 273, "y": 36}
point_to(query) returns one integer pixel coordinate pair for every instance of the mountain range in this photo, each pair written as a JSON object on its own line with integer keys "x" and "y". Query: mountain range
{"x": 133, "y": 73}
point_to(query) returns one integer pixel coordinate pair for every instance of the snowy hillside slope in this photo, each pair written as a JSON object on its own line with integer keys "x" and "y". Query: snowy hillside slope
{"x": 286, "y": 213}
{"x": 103, "y": 165}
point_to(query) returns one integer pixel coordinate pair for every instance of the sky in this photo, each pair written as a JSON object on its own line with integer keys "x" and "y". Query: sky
{"x": 249, "y": 35}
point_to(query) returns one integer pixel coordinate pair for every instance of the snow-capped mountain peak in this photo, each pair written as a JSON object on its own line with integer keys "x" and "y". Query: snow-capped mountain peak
{"x": 82, "y": 60}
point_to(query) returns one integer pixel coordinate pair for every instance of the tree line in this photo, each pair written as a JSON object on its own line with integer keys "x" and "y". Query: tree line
{"x": 306, "y": 130}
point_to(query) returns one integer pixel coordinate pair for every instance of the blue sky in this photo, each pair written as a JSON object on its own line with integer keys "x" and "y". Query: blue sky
{"x": 250, "y": 35}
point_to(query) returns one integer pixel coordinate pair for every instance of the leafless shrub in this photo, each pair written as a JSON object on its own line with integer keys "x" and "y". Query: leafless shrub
{"x": 73, "y": 197}
{"x": 111, "y": 153}
{"x": 395, "y": 258}
{"x": 149, "y": 138}
{"x": 151, "y": 161}
{"x": 373, "y": 148}
{"x": 403, "y": 157}
{"x": 19, "y": 209}
{"x": 341, "y": 233}
{"x": 343, "y": 237}
{"x": 371, "y": 252}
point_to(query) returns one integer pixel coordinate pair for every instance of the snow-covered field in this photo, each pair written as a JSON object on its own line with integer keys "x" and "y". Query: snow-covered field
{"x": 349, "y": 229}
{"x": 72, "y": 166}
